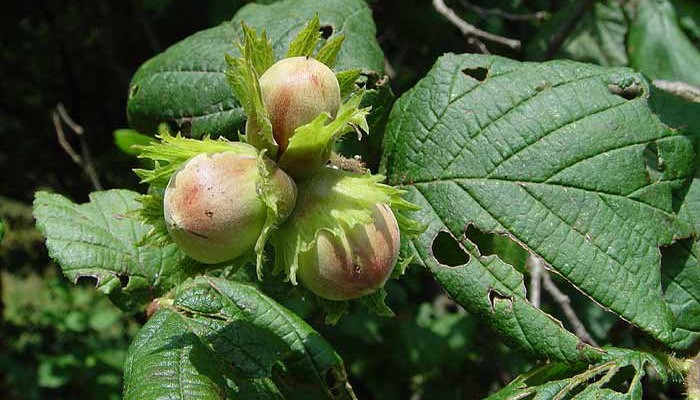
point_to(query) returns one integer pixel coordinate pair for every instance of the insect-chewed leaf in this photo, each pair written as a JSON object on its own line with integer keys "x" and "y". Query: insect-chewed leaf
{"x": 565, "y": 158}
{"x": 102, "y": 240}
{"x": 559, "y": 381}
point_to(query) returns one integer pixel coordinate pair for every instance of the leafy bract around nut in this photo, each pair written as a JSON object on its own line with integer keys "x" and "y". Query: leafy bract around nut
{"x": 275, "y": 195}
{"x": 310, "y": 102}
{"x": 332, "y": 206}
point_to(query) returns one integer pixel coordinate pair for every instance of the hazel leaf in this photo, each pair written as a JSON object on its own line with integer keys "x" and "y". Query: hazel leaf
{"x": 566, "y": 159}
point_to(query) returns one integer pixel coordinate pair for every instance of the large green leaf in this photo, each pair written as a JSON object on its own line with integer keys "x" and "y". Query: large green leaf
{"x": 564, "y": 158}
{"x": 558, "y": 381}
{"x": 680, "y": 272}
{"x": 167, "y": 361}
{"x": 658, "y": 47}
{"x": 599, "y": 37}
{"x": 186, "y": 85}
{"x": 312, "y": 369}
{"x": 100, "y": 240}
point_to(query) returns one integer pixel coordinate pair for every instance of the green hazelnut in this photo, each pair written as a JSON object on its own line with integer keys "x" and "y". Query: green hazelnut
{"x": 295, "y": 91}
{"x": 359, "y": 264}
{"x": 213, "y": 209}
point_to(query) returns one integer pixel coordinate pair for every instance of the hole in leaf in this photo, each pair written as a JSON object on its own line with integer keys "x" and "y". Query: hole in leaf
{"x": 496, "y": 297}
{"x": 326, "y": 31}
{"x": 88, "y": 280}
{"x": 184, "y": 125}
{"x": 651, "y": 157}
{"x": 627, "y": 91}
{"x": 674, "y": 259}
{"x": 501, "y": 246}
{"x": 654, "y": 163}
{"x": 478, "y": 73}
{"x": 133, "y": 90}
{"x": 448, "y": 251}
{"x": 123, "y": 279}
{"x": 620, "y": 381}
{"x": 333, "y": 382}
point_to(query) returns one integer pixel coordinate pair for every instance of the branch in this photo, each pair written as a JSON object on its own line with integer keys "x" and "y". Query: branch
{"x": 470, "y": 30}
{"x": 62, "y": 139}
{"x": 68, "y": 120}
{"x": 692, "y": 379}
{"x": 681, "y": 89}
{"x": 84, "y": 161}
{"x": 536, "y": 270}
{"x": 565, "y": 304}
{"x": 486, "y": 12}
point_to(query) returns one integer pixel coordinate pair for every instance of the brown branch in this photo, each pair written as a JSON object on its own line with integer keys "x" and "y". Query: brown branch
{"x": 84, "y": 161}
{"x": 62, "y": 139}
{"x": 536, "y": 270}
{"x": 68, "y": 120}
{"x": 683, "y": 90}
{"x": 468, "y": 29}
{"x": 692, "y": 379}
{"x": 565, "y": 303}
{"x": 487, "y": 12}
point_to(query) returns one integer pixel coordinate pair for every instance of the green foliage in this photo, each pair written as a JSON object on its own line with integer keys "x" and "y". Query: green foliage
{"x": 598, "y": 37}
{"x": 129, "y": 141}
{"x": 100, "y": 240}
{"x": 186, "y": 85}
{"x": 556, "y": 380}
{"x": 534, "y": 143}
{"x": 231, "y": 331}
{"x": 60, "y": 337}
{"x": 589, "y": 168}
{"x": 658, "y": 46}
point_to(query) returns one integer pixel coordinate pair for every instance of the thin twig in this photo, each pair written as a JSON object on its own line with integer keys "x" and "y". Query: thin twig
{"x": 692, "y": 379}
{"x": 468, "y": 29}
{"x": 473, "y": 40}
{"x": 68, "y": 120}
{"x": 536, "y": 269}
{"x": 683, "y": 90}
{"x": 567, "y": 28}
{"x": 486, "y": 12}
{"x": 63, "y": 141}
{"x": 565, "y": 304}
{"x": 85, "y": 160}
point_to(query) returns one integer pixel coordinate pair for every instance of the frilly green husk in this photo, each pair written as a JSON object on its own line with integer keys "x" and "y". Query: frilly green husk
{"x": 334, "y": 201}
{"x": 310, "y": 146}
{"x": 169, "y": 155}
